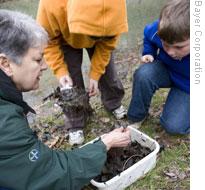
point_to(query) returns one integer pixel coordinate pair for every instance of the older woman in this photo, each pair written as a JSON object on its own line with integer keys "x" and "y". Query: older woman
{"x": 25, "y": 162}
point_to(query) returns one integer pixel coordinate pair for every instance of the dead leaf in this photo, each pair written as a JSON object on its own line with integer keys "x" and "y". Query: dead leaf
{"x": 171, "y": 175}
{"x": 53, "y": 142}
{"x": 105, "y": 119}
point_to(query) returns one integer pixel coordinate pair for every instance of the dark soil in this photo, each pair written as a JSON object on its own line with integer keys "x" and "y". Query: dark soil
{"x": 119, "y": 159}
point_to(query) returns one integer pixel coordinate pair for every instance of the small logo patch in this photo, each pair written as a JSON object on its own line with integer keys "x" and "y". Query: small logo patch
{"x": 34, "y": 155}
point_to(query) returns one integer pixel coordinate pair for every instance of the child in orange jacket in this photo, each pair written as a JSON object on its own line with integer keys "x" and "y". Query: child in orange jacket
{"x": 95, "y": 25}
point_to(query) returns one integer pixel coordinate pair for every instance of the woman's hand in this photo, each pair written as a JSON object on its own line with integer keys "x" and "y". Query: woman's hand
{"x": 119, "y": 137}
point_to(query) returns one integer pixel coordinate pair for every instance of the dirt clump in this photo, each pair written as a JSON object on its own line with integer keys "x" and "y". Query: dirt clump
{"x": 75, "y": 105}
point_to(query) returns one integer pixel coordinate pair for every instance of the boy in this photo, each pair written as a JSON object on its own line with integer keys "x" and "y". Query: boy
{"x": 166, "y": 58}
{"x": 95, "y": 26}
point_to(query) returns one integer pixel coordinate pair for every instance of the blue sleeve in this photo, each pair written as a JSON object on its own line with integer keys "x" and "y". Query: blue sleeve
{"x": 149, "y": 46}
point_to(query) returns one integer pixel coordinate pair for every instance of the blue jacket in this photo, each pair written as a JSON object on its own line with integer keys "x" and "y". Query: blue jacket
{"x": 179, "y": 70}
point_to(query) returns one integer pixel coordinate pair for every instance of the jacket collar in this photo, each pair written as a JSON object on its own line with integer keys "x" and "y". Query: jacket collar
{"x": 9, "y": 92}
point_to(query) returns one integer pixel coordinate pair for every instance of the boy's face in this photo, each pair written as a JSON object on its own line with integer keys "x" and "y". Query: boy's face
{"x": 177, "y": 50}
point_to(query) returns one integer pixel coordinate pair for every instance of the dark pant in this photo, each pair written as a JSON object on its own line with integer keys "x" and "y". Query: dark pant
{"x": 109, "y": 84}
{"x": 148, "y": 78}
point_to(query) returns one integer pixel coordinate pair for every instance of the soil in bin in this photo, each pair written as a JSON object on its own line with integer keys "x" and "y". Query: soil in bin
{"x": 119, "y": 159}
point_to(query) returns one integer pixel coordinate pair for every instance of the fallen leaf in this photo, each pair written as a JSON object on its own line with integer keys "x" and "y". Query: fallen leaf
{"x": 105, "y": 119}
{"x": 171, "y": 175}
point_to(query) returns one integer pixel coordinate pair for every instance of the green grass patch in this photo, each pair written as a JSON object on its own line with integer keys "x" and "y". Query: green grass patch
{"x": 25, "y": 6}
{"x": 173, "y": 161}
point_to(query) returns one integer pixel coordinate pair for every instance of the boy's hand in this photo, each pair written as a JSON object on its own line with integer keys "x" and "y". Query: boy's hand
{"x": 93, "y": 87}
{"x": 147, "y": 59}
{"x": 65, "y": 81}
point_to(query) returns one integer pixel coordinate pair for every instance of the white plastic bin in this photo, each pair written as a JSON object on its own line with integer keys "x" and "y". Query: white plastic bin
{"x": 136, "y": 171}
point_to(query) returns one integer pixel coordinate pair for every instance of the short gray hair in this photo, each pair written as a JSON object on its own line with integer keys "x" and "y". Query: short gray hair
{"x": 18, "y": 33}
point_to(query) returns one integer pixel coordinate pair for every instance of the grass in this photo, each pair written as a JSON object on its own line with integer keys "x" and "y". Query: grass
{"x": 172, "y": 169}
{"x": 175, "y": 159}
{"x": 26, "y": 6}
{"x": 157, "y": 179}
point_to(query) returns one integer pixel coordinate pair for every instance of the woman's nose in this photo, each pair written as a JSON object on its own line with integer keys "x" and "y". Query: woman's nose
{"x": 44, "y": 66}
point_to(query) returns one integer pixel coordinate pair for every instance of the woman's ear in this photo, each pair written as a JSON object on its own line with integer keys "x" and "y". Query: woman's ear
{"x": 5, "y": 65}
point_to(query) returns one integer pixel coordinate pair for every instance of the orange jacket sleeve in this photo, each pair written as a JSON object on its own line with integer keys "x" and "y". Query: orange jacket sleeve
{"x": 101, "y": 57}
{"x": 53, "y": 54}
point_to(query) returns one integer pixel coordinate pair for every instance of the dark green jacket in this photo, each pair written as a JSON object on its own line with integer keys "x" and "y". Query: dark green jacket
{"x": 27, "y": 164}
